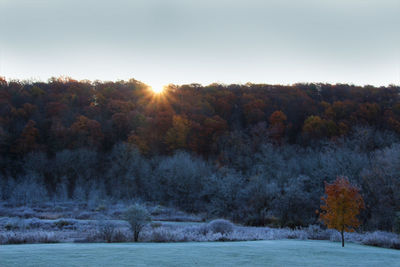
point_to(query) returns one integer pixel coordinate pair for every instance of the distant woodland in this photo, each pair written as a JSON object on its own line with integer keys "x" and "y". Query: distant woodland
{"x": 257, "y": 154}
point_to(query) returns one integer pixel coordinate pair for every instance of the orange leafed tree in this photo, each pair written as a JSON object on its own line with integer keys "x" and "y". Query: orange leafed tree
{"x": 341, "y": 206}
{"x": 277, "y": 125}
{"x": 85, "y": 131}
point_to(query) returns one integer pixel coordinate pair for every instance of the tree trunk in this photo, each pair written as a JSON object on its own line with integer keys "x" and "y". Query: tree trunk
{"x": 136, "y": 236}
{"x": 342, "y": 233}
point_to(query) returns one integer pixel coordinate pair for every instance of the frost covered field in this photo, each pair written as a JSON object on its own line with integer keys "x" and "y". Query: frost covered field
{"x": 252, "y": 253}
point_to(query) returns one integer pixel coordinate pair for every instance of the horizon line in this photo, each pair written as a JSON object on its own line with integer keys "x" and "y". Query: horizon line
{"x": 203, "y": 84}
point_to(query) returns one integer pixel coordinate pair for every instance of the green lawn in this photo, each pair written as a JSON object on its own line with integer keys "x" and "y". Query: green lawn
{"x": 253, "y": 253}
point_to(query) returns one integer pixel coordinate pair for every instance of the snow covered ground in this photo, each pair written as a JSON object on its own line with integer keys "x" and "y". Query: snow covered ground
{"x": 249, "y": 253}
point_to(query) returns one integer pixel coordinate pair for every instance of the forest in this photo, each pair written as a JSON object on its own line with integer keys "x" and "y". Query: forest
{"x": 256, "y": 154}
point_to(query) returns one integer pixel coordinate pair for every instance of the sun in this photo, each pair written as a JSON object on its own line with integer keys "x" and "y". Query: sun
{"x": 157, "y": 89}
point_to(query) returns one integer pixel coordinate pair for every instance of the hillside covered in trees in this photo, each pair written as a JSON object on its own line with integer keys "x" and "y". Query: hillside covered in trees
{"x": 257, "y": 154}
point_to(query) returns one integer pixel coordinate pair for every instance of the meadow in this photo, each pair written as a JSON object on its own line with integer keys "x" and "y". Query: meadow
{"x": 249, "y": 253}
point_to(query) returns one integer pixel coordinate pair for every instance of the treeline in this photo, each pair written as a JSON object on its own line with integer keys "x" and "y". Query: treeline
{"x": 67, "y": 114}
{"x": 256, "y": 154}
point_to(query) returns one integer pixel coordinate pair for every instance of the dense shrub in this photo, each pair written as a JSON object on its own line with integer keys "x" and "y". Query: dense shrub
{"x": 120, "y": 236}
{"x": 29, "y": 237}
{"x": 381, "y": 239}
{"x": 166, "y": 235}
{"x": 220, "y": 226}
{"x": 317, "y": 233}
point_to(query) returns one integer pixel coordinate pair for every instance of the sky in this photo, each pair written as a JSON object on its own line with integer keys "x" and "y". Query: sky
{"x": 188, "y": 41}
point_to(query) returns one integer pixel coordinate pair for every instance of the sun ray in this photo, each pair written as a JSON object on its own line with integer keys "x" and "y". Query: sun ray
{"x": 153, "y": 100}
{"x": 157, "y": 89}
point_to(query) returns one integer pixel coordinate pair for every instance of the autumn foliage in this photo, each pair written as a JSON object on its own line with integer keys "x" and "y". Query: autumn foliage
{"x": 341, "y": 206}
{"x": 66, "y": 114}
{"x": 277, "y": 125}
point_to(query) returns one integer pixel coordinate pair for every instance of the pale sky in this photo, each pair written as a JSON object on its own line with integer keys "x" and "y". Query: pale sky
{"x": 183, "y": 41}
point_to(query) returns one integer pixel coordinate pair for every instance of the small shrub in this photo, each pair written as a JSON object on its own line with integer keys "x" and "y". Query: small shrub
{"x": 137, "y": 216}
{"x": 106, "y": 230}
{"x": 221, "y": 226}
{"x": 120, "y": 236}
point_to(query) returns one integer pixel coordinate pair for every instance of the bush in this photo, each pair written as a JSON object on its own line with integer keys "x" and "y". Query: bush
{"x": 106, "y": 230}
{"x": 16, "y": 224}
{"x": 220, "y": 226}
{"x": 381, "y": 239}
{"x": 28, "y": 237}
{"x": 137, "y": 216}
{"x": 165, "y": 235}
{"x": 120, "y": 236}
{"x": 317, "y": 233}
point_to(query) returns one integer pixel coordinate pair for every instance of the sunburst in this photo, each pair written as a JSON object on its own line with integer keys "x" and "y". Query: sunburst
{"x": 157, "y": 89}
